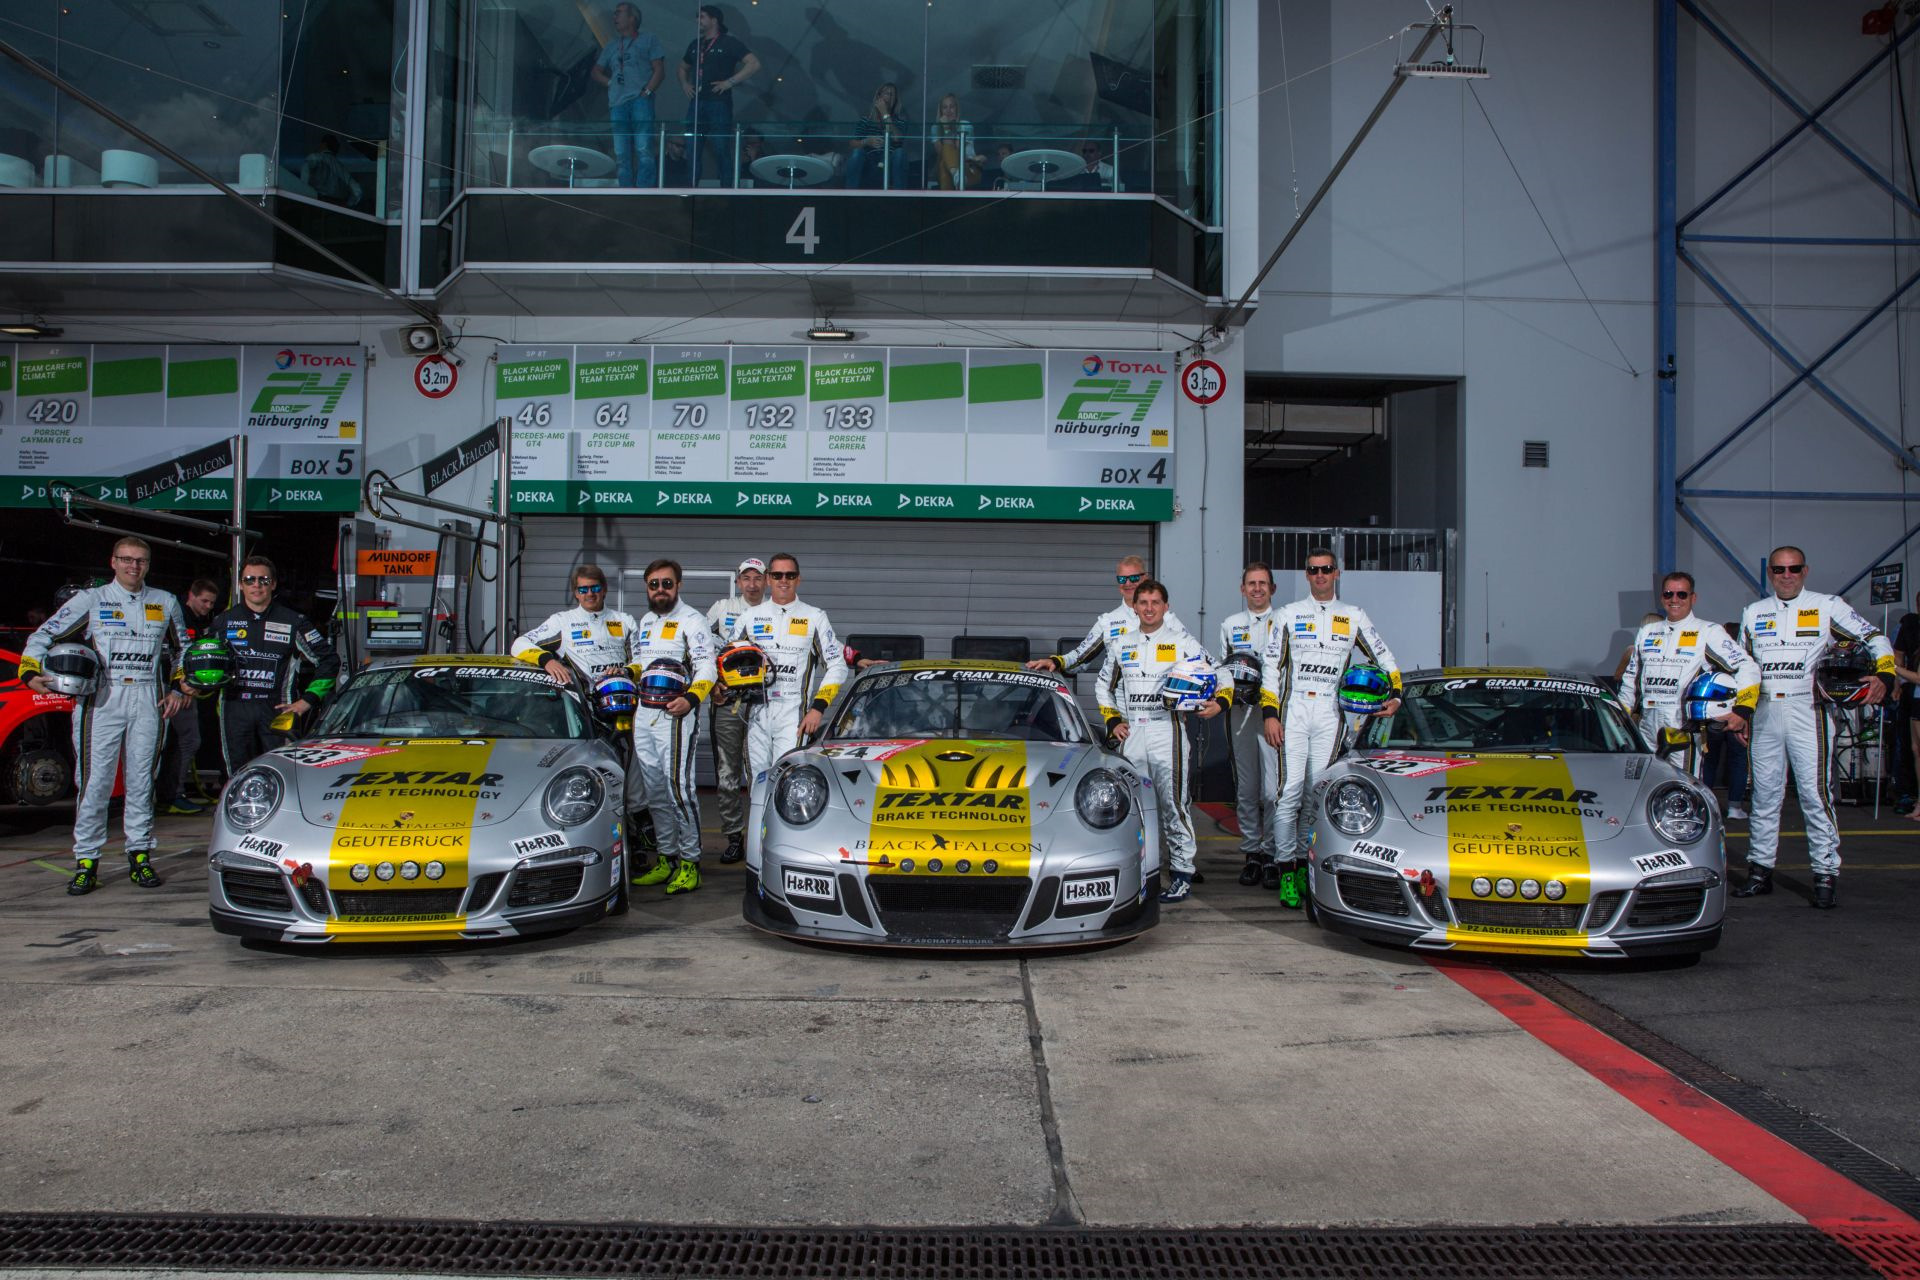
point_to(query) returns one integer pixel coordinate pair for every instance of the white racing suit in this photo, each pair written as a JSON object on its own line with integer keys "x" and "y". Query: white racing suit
{"x": 1311, "y": 645}
{"x": 1791, "y": 729}
{"x": 1256, "y": 766}
{"x": 587, "y": 641}
{"x": 1107, "y": 628}
{"x": 1128, "y": 692}
{"x": 663, "y": 744}
{"x": 139, "y": 636}
{"x": 727, "y": 729}
{"x": 805, "y": 668}
{"x": 1665, "y": 658}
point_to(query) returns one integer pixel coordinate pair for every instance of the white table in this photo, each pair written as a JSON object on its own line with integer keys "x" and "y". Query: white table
{"x": 563, "y": 159}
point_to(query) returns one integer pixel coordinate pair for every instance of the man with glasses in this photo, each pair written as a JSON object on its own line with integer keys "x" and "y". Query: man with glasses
{"x": 726, "y": 717}
{"x": 631, "y": 65}
{"x": 1313, "y": 641}
{"x": 805, "y": 666}
{"x": 139, "y": 635}
{"x": 1789, "y": 632}
{"x": 583, "y": 639}
{"x": 1109, "y": 626}
{"x": 270, "y": 644}
{"x": 1256, "y": 767}
{"x": 663, "y": 736}
{"x": 1667, "y": 655}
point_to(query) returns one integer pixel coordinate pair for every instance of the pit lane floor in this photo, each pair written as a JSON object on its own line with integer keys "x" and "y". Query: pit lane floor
{"x": 1234, "y": 1067}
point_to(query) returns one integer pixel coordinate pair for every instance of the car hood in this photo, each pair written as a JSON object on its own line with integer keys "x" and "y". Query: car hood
{"x": 420, "y": 784}
{"x": 1484, "y": 796}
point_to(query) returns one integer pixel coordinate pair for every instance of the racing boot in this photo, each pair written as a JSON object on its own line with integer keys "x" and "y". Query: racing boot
{"x": 1759, "y": 882}
{"x": 1270, "y": 872}
{"x": 640, "y": 829}
{"x": 685, "y": 877}
{"x": 86, "y": 876}
{"x": 659, "y": 873}
{"x": 736, "y": 848}
{"x": 1824, "y": 888}
{"x": 140, "y": 869}
{"x": 1255, "y": 871}
{"x": 1179, "y": 887}
{"x": 1292, "y": 882}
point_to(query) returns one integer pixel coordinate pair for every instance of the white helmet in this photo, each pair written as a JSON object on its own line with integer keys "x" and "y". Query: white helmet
{"x": 1189, "y": 684}
{"x": 72, "y": 669}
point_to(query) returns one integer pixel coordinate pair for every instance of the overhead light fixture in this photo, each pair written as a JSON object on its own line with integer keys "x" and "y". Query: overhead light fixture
{"x": 23, "y": 329}
{"x": 830, "y": 332}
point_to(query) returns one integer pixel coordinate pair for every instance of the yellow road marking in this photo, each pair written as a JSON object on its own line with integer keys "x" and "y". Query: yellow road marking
{"x": 57, "y": 870}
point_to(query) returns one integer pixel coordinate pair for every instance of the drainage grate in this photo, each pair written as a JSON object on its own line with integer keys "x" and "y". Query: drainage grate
{"x": 1889, "y": 1181}
{"x": 1785, "y": 1252}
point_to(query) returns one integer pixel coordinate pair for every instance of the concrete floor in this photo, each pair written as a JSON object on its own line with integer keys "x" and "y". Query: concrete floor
{"x": 1235, "y": 1066}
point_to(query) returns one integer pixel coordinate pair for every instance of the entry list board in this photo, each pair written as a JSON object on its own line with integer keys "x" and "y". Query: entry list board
{"x": 933, "y": 432}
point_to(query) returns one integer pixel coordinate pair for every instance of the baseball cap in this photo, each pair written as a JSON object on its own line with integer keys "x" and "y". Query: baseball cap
{"x": 758, "y": 566}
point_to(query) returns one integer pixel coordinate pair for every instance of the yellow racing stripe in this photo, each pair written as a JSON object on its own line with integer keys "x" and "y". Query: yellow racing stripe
{"x": 950, "y": 803}
{"x": 1532, "y": 838}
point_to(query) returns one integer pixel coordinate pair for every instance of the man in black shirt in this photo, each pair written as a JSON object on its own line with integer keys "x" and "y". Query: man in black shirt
{"x": 270, "y": 642}
{"x": 714, "y": 65}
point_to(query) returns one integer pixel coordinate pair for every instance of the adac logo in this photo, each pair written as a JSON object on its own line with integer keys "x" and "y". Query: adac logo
{"x": 1092, "y": 366}
{"x": 283, "y": 359}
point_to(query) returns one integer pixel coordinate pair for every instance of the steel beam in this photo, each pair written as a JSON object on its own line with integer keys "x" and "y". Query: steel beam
{"x": 1666, "y": 394}
{"x": 1726, "y": 553}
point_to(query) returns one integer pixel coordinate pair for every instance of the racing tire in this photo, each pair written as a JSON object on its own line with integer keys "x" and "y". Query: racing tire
{"x": 35, "y": 775}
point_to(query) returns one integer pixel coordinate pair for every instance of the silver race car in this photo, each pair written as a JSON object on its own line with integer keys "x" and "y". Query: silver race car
{"x": 439, "y": 798}
{"x": 954, "y": 804}
{"x": 1518, "y": 811}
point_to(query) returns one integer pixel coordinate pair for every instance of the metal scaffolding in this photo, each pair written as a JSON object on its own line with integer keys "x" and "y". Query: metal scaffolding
{"x": 1677, "y": 497}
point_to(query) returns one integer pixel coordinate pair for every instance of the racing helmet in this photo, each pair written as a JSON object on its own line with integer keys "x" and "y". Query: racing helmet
{"x": 208, "y": 664}
{"x": 1708, "y": 696}
{"x": 743, "y": 670}
{"x": 1364, "y": 689}
{"x": 72, "y": 669}
{"x": 1844, "y": 676}
{"x": 614, "y": 693}
{"x": 1243, "y": 668}
{"x": 664, "y": 680}
{"x": 1189, "y": 684}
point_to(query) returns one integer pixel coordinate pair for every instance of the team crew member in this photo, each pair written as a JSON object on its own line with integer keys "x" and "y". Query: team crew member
{"x": 727, "y": 718}
{"x": 179, "y": 772}
{"x": 1256, "y": 766}
{"x": 1667, "y": 655}
{"x": 1154, "y": 738}
{"x": 582, "y": 639}
{"x": 270, "y": 643}
{"x": 1109, "y": 626}
{"x": 805, "y": 667}
{"x": 663, "y": 736}
{"x": 139, "y": 634}
{"x": 1789, "y": 632}
{"x": 1313, "y": 640}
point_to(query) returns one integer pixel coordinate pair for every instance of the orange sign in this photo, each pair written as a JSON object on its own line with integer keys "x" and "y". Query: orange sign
{"x": 395, "y": 564}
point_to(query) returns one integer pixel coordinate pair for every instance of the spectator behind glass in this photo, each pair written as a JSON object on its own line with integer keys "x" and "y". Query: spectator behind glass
{"x": 953, "y": 136}
{"x": 1099, "y": 168}
{"x": 752, "y": 147}
{"x": 631, "y": 65}
{"x": 878, "y": 144}
{"x": 328, "y": 177}
{"x": 714, "y": 65}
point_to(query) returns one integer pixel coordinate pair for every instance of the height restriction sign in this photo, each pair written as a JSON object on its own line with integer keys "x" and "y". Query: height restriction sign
{"x": 1203, "y": 381}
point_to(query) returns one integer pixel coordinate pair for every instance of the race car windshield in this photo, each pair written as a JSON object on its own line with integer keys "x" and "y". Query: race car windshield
{"x": 452, "y": 702}
{"x": 1019, "y": 706}
{"x": 1503, "y": 715}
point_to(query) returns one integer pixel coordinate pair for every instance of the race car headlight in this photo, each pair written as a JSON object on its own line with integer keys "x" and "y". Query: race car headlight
{"x": 253, "y": 797}
{"x": 1101, "y": 800}
{"x": 1677, "y": 813}
{"x": 801, "y": 796}
{"x": 1353, "y": 807}
{"x": 573, "y": 796}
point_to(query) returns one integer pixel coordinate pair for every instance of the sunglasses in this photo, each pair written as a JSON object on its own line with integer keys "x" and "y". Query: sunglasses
{"x": 131, "y": 559}
{"x": 594, "y": 590}
{"x": 1319, "y": 570}
{"x": 256, "y": 580}
{"x": 783, "y": 575}
{"x": 1675, "y": 595}
{"x": 1124, "y": 578}
{"x": 662, "y": 584}
{"x": 1787, "y": 568}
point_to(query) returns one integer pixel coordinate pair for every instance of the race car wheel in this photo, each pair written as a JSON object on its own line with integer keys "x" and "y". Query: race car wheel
{"x": 36, "y": 775}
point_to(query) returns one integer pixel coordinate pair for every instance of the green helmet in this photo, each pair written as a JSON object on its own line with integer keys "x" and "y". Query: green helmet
{"x": 208, "y": 664}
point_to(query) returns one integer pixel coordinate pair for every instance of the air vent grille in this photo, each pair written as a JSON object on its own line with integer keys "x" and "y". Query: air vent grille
{"x": 1533, "y": 453}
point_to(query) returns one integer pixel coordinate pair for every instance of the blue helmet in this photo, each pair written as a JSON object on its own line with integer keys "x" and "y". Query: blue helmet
{"x": 614, "y": 693}
{"x": 1365, "y": 689}
{"x": 1189, "y": 684}
{"x": 1709, "y": 696}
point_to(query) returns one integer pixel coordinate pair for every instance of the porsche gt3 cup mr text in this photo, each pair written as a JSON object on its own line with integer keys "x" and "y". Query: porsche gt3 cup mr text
{"x": 1665, "y": 658}
{"x": 1256, "y": 766}
{"x": 1129, "y": 692}
{"x": 139, "y": 635}
{"x": 1311, "y": 644}
{"x": 663, "y": 743}
{"x": 1791, "y": 728}
{"x": 806, "y": 668}
{"x": 1515, "y": 811}
{"x": 440, "y": 798}
{"x": 955, "y": 804}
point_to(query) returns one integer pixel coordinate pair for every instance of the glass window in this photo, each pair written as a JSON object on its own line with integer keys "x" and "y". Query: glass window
{"x": 467, "y": 702}
{"x": 1503, "y": 714}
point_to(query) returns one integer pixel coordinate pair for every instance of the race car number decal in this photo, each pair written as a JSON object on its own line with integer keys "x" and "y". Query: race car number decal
{"x": 546, "y": 842}
{"x": 1089, "y": 890}
{"x": 321, "y": 754}
{"x": 805, "y": 884}
{"x": 872, "y": 750}
{"x": 1403, "y": 765}
{"x": 1377, "y": 853}
{"x": 261, "y": 845}
{"x": 1671, "y": 860}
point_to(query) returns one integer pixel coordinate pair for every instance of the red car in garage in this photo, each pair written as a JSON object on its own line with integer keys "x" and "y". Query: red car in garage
{"x": 36, "y": 740}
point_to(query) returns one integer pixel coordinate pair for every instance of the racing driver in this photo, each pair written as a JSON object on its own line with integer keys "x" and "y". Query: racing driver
{"x": 1255, "y": 766}
{"x": 139, "y": 633}
{"x": 727, "y": 718}
{"x": 663, "y": 736}
{"x": 269, "y": 642}
{"x": 582, "y": 639}
{"x": 1668, "y": 654}
{"x": 1154, "y": 737}
{"x": 805, "y": 665}
{"x": 1109, "y": 626}
{"x": 1313, "y": 640}
{"x": 1789, "y": 632}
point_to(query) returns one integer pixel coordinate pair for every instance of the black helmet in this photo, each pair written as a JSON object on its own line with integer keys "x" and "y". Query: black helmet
{"x": 1845, "y": 675}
